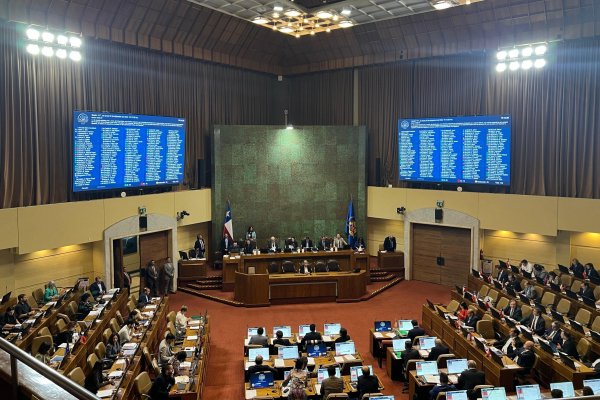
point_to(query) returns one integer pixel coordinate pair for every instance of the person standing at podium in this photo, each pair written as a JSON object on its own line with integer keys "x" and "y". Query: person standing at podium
{"x": 389, "y": 244}
{"x": 226, "y": 244}
{"x": 339, "y": 242}
{"x": 200, "y": 246}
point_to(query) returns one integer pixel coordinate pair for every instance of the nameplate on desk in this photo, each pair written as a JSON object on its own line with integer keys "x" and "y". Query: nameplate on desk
{"x": 512, "y": 366}
{"x": 185, "y": 364}
{"x": 151, "y": 307}
{"x": 129, "y": 346}
{"x": 378, "y": 335}
{"x": 195, "y": 328}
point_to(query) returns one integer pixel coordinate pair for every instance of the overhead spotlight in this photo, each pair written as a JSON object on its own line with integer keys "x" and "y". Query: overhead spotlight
{"x": 75, "y": 56}
{"x": 500, "y": 67}
{"x": 527, "y": 52}
{"x": 539, "y": 63}
{"x": 324, "y": 14}
{"x": 48, "y": 37}
{"x": 335, "y": 17}
{"x": 312, "y": 32}
{"x": 346, "y": 12}
{"x": 75, "y": 41}
{"x": 289, "y": 127}
{"x": 286, "y": 29}
{"x": 277, "y": 8}
{"x": 501, "y": 55}
{"x": 33, "y": 49}
{"x": 297, "y": 35}
{"x": 275, "y": 15}
{"x": 443, "y": 4}
{"x": 306, "y": 20}
{"x": 62, "y": 40}
{"x": 32, "y": 34}
{"x": 526, "y": 64}
{"x": 514, "y": 65}
{"x": 47, "y": 51}
{"x": 292, "y": 13}
{"x": 513, "y": 53}
{"x": 260, "y": 20}
{"x": 274, "y": 27}
{"x": 328, "y": 30}
{"x": 61, "y": 53}
{"x": 346, "y": 24}
{"x": 541, "y": 50}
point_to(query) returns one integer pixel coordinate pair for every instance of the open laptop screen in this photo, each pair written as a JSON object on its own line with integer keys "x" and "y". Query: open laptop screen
{"x": 457, "y": 365}
{"x": 254, "y": 331}
{"x": 426, "y": 343}
{"x": 457, "y": 395}
{"x": 287, "y": 352}
{"x": 497, "y": 393}
{"x": 285, "y": 329}
{"x": 400, "y": 344}
{"x": 427, "y": 368}
{"x": 303, "y": 329}
{"x": 566, "y": 387}
{"x": 322, "y": 374}
{"x": 383, "y": 326}
{"x": 344, "y": 348}
{"x": 332, "y": 329}
{"x": 258, "y": 351}
{"x": 528, "y": 392}
{"x": 356, "y": 371}
{"x": 594, "y": 384}
{"x": 261, "y": 380}
{"x": 316, "y": 350}
{"x": 405, "y": 325}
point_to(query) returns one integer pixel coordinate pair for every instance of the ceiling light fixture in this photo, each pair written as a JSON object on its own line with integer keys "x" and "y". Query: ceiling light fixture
{"x": 324, "y": 14}
{"x": 293, "y": 13}
{"x": 443, "y": 4}
{"x": 277, "y": 8}
{"x": 521, "y": 57}
{"x": 346, "y": 12}
{"x": 346, "y": 24}
{"x": 260, "y": 20}
{"x": 286, "y": 29}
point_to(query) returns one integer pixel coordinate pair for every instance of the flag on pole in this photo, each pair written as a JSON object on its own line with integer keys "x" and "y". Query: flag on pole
{"x": 351, "y": 225}
{"x": 228, "y": 224}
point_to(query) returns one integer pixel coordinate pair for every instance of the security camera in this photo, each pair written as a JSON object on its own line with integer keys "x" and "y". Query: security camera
{"x": 400, "y": 210}
{"x": 181, "y": 215}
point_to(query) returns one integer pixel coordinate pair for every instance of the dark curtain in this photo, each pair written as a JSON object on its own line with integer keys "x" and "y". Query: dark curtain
{"x": 323, "y": 98}
{"x": 41, "y": 93}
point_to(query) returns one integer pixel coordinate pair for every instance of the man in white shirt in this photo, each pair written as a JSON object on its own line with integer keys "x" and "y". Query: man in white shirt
{"x": 339, "y": 242}
{"x": 526, "y": 266}
{"x": 181, "y": 321}
{"x": 126, "y": 332}
{"x": 165, "y": 349}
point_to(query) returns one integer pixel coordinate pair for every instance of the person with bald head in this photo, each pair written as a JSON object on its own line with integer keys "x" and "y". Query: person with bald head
{"x": 260, "y": 367}
{"x": 470, "y": 378}
{"x": 437, "y": 350}
{"x": 526, "y": 356}
{"x": 367, "y": 383}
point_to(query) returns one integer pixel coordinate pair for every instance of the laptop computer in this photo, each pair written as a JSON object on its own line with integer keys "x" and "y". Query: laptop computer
{"x": 261, "y": 380}
{"x": 528, "y": 392}
{"x": 287, "y": 352}
{"x": 566, "y": 387}
{"x": 345, "y": 348}
{"x": 497, "y": 356}
{"x": 404, "y": 325}
{"x": 303, "y": 330}
{"x": 399, "y": 344}
{"x": 557, "y": 316}
{"x": 496, "y": 393}
{"x": 495, "y": 313}
{"x": 259, "y": 351}
{"x": 595, "y": 335}
{"x": 456, "y": 395}
{"x": 527, "y": 274}
{"x": 254, "y": 330}
{"x": 476, "y": 273}
{"x": 515, "y": 269}
{"x": 332, "y": 329}
{"x": 427, "y": 368}
{"x": 481, "y": 304}
{"x": 511, "y": 291}
{"x": 563, "y": 269}
{"x": 6, "y": 297}
{"x": 356, "y": 371}
{"x": 589, "y": 302}
{"x": 497, "y": 284}
{"x": 480, "y": 343}
{"x": 316, "y": 350}
{"x": 385, "y": 397}
{"x": 456, "y": 365}
{"x": 322, "y": 374}
{"x": 546, "y": 347}
{"x": 430, "y": 304}
{"x": 526, "y": 332}
{"x": 467, "y": 295}
{"x": 510, "y": 322}
{"x": 571, "y": 294}
{"x": 459, "y": 290}
{"x": 183, "y": 255}
{"x": 594, "y": 384}
{"x": 594, "y": 280}
{"x": 466, "y": 330}
{"x": 539, "y": 280}
{"x": 576, "y": 326}
{"x": 285, "y": 329}
{"x": 426, "y": 343}
{"x": 568, "y": 361}
{"x": 383, "y": 326}
{"x": 502, "y": 264}
{"x": 524, "y": 298}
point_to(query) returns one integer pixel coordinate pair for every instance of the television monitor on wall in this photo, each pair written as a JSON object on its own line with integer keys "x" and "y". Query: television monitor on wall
{"x": 119, "y": 151}
{"x": 460, "y": 150}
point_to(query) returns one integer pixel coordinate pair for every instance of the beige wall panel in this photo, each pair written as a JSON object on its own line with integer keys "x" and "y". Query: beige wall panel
{"x": 7, "y": 271}
{"x": 118, "y": 209}
{"x": 98, "y": 257}
{"x": 578, "y": 215}
{"x": 186, "y": 236}
{"x": 516, "y": 213}
{"x": 56, "y": 225}
{"x": 9, "y": 233}
{"x": 197, "y": 203}
{"x": 535, "y": 248}
{"x": 465, "y": 202}
{"x": 586, "y": 247}
{"x": 382, "y": 202}
{"x": 378, "y": 229}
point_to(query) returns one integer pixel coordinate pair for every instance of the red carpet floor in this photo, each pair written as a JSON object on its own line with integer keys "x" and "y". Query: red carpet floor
{"x": 225, "y": 377}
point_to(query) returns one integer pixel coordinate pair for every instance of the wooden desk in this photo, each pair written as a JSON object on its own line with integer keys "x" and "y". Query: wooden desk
{"x": 390, "y": 261}
{"x": 393, "y": 365}
{"x": 191, "y": 270}
{"x": 375, "y": 341}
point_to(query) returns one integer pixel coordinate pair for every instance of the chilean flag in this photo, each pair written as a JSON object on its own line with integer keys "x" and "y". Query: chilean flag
{"x": 228, "y": 224}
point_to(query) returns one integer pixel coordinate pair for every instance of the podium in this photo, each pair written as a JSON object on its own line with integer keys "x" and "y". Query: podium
{"x": 390, "y": 261}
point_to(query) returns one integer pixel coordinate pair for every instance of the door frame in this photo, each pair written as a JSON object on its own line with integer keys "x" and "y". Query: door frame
{"x": 452, "y": 218}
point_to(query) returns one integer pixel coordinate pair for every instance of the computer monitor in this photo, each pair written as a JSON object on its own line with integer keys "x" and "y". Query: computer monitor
{"x": 399, "y": 344}
{"x": 288, "y": 352}
{"x": 344, "y": 348}
{"x": 426, "y": 343}
{"x": 322, "y": 374}
{"x": 383, "y": 326}
{"x": 405, "y": 325}
{"x": 356, "y": 371}
{"x": 332, "y": 329}
{"x": 316, "y": 350}
{"x": 303, "y": 329}
{"x": 261, "y": 380}
{"x": 594, "y": 384}
{"x": 529, "y": 392}
{"x": 457, "y": 365}
{"x": 258, "y": 351}
{"x": 285, "y": 329}
{"x": 183, "y": 255}
{"x": 254, "y": 331}
{"x": 387, "y": 397}
{"x": 496, "y": 393}
{"x": 286, "y": 374}
{"x": 566, "y": 387}
{"x": 456, "y": 395}
{"x": 6, "y": 297}
{"x": 427, "y": 368}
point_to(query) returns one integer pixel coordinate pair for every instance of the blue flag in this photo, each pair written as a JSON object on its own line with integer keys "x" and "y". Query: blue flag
{"x": 351, "y": 225}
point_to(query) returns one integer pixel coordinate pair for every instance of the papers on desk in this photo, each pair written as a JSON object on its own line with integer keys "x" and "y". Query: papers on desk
{"x": 129, "y": 346}
{"x": 378, "y": 335}
{"x": 56, "y": 359}
{"x": 512, "y": 366}
{"x": 151, "y": 307}
{"x": 120, "y": 363}
{"x": 423, "y": 353}
{"x": 185, "y": 364}
{"x": 318, "y": 388}
{"x": 381, "y": 335}
{"x": 113, "y": 291}
{"x": 246, "y": 341}
{"x": 104, "y": 393}
{"x": 192, "y": 337}
{"x": 107, "y": 297}
{"x": 327, "y": 338}
{"x": 63, "y": 345}
{"x": 128, "y": 353}
{"x": 193, "y": 322}
{"x": 279, "y": 363}
{"x": 115, "y": 374}
{"x": 156, "y": 299}
{"x": 248, "y": 364}
{"x": 250, "y": 394}
{"x": 50, "y": 304}
{"x": 195, "y": 328}
{"x": 432, "y": 379}
{"x": 182, "y": 379}
{"x": 341, "y": 359}
{"x": 30, "y": 321}
{"x": 94, "y": 313}
{"x": 311, "y": 361}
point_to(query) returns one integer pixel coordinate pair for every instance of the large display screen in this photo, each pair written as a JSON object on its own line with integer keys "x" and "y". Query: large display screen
{"x": 114, "y": 151}
{"x": 455, "y": 150}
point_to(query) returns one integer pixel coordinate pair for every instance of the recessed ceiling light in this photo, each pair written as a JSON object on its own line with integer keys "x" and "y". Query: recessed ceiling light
{"x": 61, "y": 53}
{"x": 346, "y": 11}
{"x": 32, "y": 34}
{"x": 540, "y": 50}
{"x": 277, "y": 8}
{"x": 292, "y": 13}
{"x": 47, "y": 37}
{"x": 324, "y": 14}
{"x": 286, "y": 29}
{"x": 47, "y": 51}
{"x": 526, "y": 64}
{"x": 527, "y": 51}
{"x": 346, "y": 24}
{"x": 75, "y": 56}
{"x": 501, "y": 67}
{"x": 260, "y": 20}
{"x": 443, "y": 4}
{"x": 75, "y": 41}
{"x": 513, "y": 53}
{"x": 539, "y": 63}
{"x": 501, "y": 55}
{"x": 33, "y": 49}
{"x": 514, "y": 65}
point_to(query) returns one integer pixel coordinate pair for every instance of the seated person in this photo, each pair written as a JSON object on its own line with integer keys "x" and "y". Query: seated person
{"x": 126, "y": 332}
{"x": 307, "y": 243}
{"x": 165, "y": 349}
{"x": 510, "y": 344}
{"x": 586, "y": 291}
{"x": 85, "y": 306}
{"x": 8, "y": 320}
{"x": 199, "y": 246}
{"x": 389, "y": 244}
{"x": 69, "y": 335}
{"x": 249, "y": 246}
{"x": 553, "y": 278}
{"x": 235, "y": 248}
{"x": 367, "y": 383}
{"x": 145, "y": 298}
{"x": 290, "y": 243}
{"x": 539, "y": 272}
{"x": 529, "y": 291}
{"x": 324, "y": 243}
{"x": 503, "y": 275}
{"x": 553, "y": 335}
{"x": 526, "y": 266}
{"x": 312, "y": 336}
{"x": 513, "y": 311}
{"x": 260, "y": 367}
{"x": 272, "y": 245}
{"x": 305, "y": 267}
{"x": 51, "y": 292}
{"x": 279, "y": 340}
{"x": 359, "y": 245}
{"x": 409, "y": 353}
{"x": 259, "y": 338}
{"x": 568, "y": 345}
{"x": 437, "y": 350}
{"x": 443, "y": 386}
{"x": 163, "y": 383}
{"x": 535, "y": 322}
{"x": 513, "y": 283}
{"x": 344, "y": 337}
{"x": 472, "y": 319}
{"x": 98, "y": 288}
{"x": 590, "y": 272}
{"x": 181, "y": 322}
{"x": 463, "y": 311}
{"x": 113, "y": 348}
{"x": 339, "y": 242}
{"x": 526, "y": 356}
{"x": 43, "y": 353}
{"x": 22, "y": 309}
{"x": 176, "y": 361}
{"x": 226, "y": 244}
{"x": 415, "y": 331}
{"x": 577, "y": 268}
{"x": 331, "y": 384}
{"x": 96, "y": 379}
{"x": 470, "y": 378}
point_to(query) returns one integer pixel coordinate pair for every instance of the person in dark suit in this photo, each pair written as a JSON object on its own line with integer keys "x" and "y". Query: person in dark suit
{"x": 503, "y": 275}
{"x": 98, "y": 288}
{"x": 344, "y": 337}
{"x": 437, "y": 350}
{"x": 526, "y": 356}
{"x": 590, "y": 272}
{"x": 513, "y": 283}
{"x": 553, "y": 335}
{"x": 409, "y": 353}
{"x": 84, "y": 307}
{"x": 444, "y": 386}
{"x": 535, "y": 322}
{"x": 472, "y": 319}
{"x": 144, "y": 298}
{"x": 152, "y": 278}
{"x": 226, "y": 244}
{"x": 272, "y": 244}
{"x": 510, "y": 344}
{"x": 529, "y": 291}
{"x": 470, "y": 378}
{"x": 249, "y": 246}
{"x": 163, "y": 383}
{"x": 577, "y": 268}
{"x": 313, "y": 335}
{"x": 260, "y": 367}
{"x": 306, "y": 243}
{"x": 324, "y": 243}
{"x": 586, "y": 291}
{"x": 389, "y": 243}
{"x": 259, "y": 338}
{"x": 367, "y": 383}
{"x": 199, "y": 246}
{"x": 415, "y": 331}
{"x": 280, "y": 340}
{"x": 513, "y": 311}
{"x": 568, "y": 345}
{"x": 331, "y": 384}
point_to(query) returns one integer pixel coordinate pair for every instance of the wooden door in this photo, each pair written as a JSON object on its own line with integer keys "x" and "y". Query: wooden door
{"x": 117, "y": 263}
{"x": 452, "y": 244}
{"x": 154, "y": 246}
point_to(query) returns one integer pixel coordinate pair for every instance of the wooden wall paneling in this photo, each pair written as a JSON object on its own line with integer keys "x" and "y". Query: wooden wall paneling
{"x": 153, "y": 246}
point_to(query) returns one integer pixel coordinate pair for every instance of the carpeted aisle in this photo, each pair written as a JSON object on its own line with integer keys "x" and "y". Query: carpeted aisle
{"x": 228, "y": 328}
